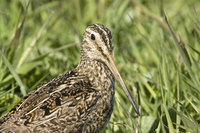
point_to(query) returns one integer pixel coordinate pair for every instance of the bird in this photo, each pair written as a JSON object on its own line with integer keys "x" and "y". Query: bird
{"x": 79, "y": 101}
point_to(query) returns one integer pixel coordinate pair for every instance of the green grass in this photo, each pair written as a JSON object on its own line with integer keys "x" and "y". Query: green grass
{"x": 158, "y": 58}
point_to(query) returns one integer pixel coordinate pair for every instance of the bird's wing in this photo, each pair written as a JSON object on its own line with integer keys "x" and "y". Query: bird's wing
{"x": 67, "y": 96}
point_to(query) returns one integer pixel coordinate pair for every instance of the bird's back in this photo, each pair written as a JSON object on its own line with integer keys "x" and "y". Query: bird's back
{"x": 68, "y": 103}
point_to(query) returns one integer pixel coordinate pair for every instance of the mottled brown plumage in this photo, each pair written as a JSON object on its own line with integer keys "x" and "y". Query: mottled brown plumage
{"x": 78, "y": 101}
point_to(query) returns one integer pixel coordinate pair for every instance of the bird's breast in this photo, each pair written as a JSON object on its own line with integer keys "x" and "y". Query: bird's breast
{"x": 103, "y": 81}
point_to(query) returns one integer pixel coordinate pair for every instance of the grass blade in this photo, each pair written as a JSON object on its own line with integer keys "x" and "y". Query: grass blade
{"x": 15, "y": 75}
{"x": 183, "y": 54}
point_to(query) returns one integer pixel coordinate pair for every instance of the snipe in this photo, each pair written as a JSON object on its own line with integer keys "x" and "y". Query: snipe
{"x": 78, "y": 101}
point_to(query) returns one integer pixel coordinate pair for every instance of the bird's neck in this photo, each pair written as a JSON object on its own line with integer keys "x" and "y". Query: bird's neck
{"x": 97, "y": 72}
{"x": 87, "y": 64}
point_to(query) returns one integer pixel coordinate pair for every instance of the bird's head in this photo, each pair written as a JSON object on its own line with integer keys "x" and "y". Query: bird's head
{"x": 97, "y": 42}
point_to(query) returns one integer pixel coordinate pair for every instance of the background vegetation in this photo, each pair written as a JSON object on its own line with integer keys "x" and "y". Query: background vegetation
{"x": 41, "y": 40}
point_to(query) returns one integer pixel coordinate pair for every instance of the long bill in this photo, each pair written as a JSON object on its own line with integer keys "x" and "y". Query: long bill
{"x": 110, "y": 63}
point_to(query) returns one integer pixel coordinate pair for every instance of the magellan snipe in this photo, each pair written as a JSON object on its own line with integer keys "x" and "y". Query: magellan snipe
{"x": 78, "y": 101}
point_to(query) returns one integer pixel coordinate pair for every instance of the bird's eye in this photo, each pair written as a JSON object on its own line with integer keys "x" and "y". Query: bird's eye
{"x": 92, "y": 36}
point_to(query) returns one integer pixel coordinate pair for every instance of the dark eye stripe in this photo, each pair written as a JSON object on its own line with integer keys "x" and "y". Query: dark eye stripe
{"x": 105, "y": 35}
{"x": 96, "y": 29}
{"x": 101, "y": 32}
